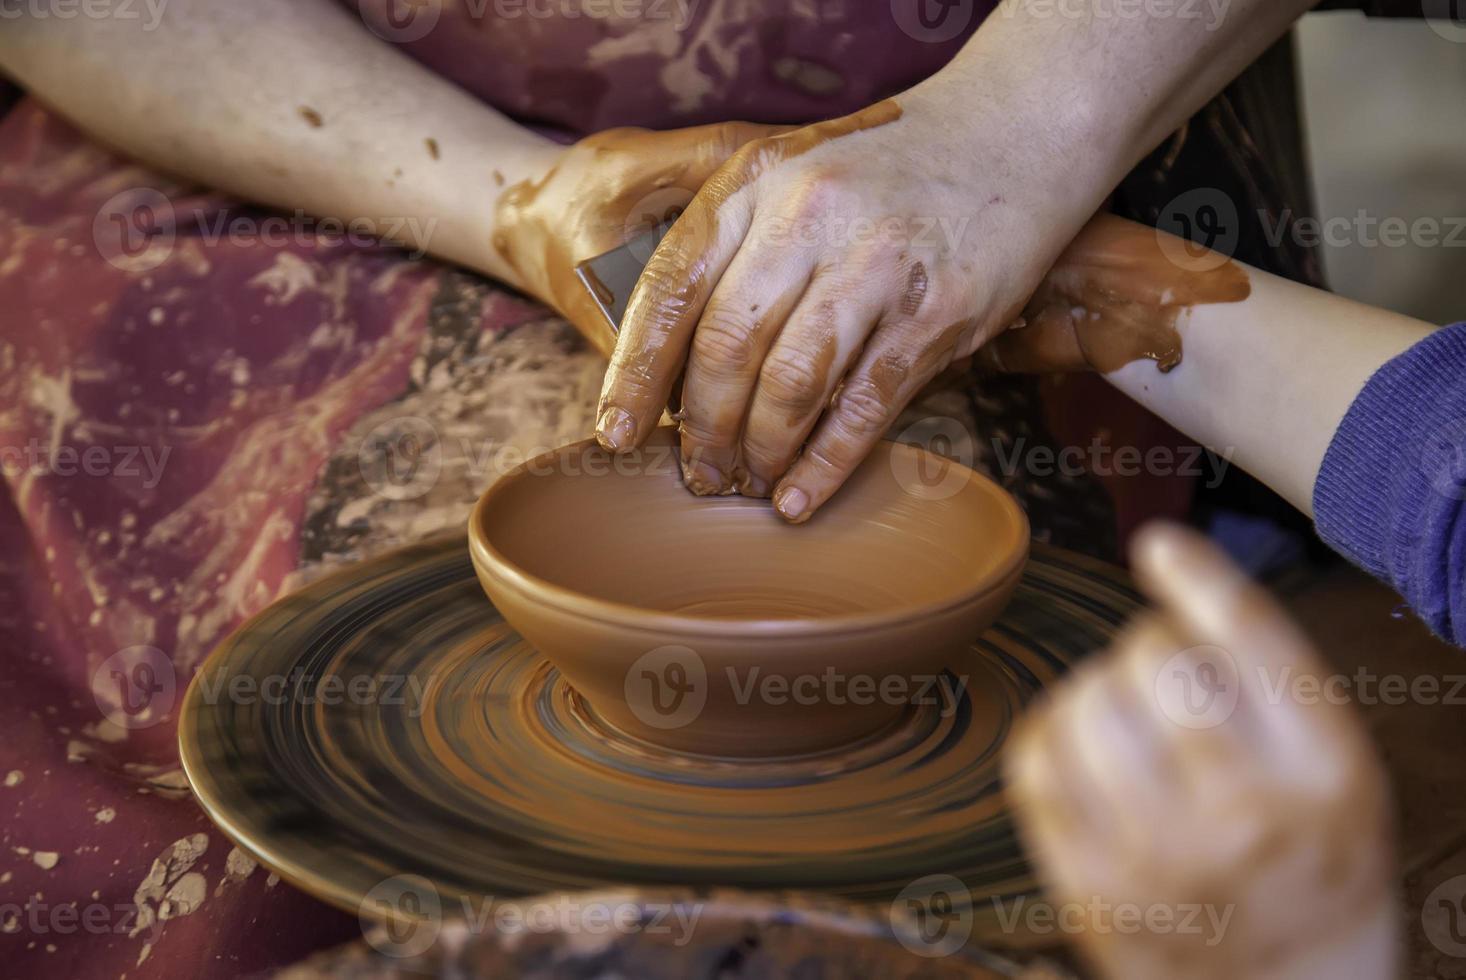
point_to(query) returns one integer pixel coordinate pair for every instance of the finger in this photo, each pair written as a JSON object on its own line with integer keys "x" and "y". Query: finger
{"x": 821, "y": 339}
{"x": 661, "y": 313}
{"x": 750, "y": 304}
{"x": 1213, "y": 599}
{"x": 897, "y": 362}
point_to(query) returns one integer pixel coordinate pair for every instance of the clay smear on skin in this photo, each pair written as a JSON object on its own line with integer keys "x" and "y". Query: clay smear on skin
{"x": 662, "y": 310}
{"x": 609, "y": 175}
{"x": 547, "y": 254}
{"x": 606, "y": 188}
{"x": 1114, "y": 297}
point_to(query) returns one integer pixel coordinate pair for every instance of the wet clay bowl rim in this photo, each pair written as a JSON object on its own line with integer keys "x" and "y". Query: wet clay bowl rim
{"x": 491, "y": 563}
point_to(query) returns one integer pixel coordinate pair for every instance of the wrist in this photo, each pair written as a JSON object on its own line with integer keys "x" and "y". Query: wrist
{"x": 507, "y": 256}
{"x": 1055, "y": 94}
{"x": 1040, "y": 163}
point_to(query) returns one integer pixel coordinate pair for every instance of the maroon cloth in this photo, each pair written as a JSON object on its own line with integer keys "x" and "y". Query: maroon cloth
{"x": 668, "y": 63}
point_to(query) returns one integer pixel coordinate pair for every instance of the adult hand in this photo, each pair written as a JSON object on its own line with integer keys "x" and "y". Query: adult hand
{"x": 818, "y": 280}
{"x": 599, "y": 193}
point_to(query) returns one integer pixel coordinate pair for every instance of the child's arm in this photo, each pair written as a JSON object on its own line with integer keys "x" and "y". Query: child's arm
{"x": 1271, "y": 377}
{"x": 1355, "y": 415}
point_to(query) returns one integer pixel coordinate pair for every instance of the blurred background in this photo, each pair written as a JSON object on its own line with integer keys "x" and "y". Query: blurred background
{"x": 1385, "y": 120}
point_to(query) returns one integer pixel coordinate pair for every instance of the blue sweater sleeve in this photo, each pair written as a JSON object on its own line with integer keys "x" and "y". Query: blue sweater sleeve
{"x": 1391, "y": 491}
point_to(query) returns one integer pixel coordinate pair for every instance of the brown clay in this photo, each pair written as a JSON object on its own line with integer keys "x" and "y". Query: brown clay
{"x": 600, "y": 560}
{"x": 1114, "y": 297}
{"x": 585, "y": 206}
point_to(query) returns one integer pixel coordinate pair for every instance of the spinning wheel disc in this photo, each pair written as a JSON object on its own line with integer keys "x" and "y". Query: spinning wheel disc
{"x": 386, "y": 721}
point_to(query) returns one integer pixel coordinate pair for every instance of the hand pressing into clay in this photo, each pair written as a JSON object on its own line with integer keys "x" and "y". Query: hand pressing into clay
{"x": 818, "y": 280}
{"x": 1179, "y": 772}
{"x": 598, "y": 194}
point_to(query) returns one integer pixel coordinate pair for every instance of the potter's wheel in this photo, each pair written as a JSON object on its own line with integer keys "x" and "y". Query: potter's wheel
{"x": 464, "y": 758}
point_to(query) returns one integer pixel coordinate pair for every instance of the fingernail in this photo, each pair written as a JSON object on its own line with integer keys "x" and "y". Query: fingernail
{"x": 703, "y": 479}
{"x": 750, "y": 485}
{"x": 615, "y": 429}
{"x": 792, "y": 502}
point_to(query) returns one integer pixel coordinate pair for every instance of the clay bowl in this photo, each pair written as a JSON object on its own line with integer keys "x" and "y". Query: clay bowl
{"x": 708, "y": 625}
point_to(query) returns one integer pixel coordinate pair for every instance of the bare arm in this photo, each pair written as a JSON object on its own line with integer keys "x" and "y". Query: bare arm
{"x": 1260, "y": 368}
{"x": 1270, "y": 378}
{"x": 292, "y": 103}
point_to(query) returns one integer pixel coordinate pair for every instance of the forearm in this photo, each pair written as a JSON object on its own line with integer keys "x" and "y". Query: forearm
{"x": 1092, "y": 89}
{"x": 290, "y": 103}
{"x": 1267, "y": 380}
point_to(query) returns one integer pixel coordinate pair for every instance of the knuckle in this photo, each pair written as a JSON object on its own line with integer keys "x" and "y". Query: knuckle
{"x": 724, "y": 343}
{"x": 861, "y": 408}
{"x": 631, "y": 375}
{"x": 790, "y": 380}
{"x": 697, "y": 429}
{"x": 764, "y": 457}
{"x": 811, "y": 201}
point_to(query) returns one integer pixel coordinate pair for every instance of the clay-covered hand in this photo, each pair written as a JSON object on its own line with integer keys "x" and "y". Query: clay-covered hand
{"x": 817, "y": 281}
{"x": 1182, "y": 773}
{"x": 1115, "y": 295}
{"x": 599, "y": 193}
